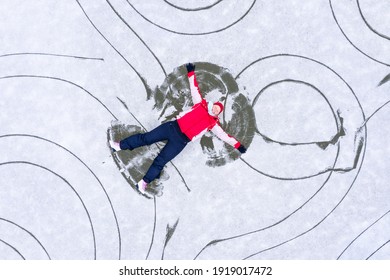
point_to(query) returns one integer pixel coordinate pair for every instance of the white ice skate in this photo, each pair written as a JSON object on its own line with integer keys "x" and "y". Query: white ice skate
{"x": 114, "y": 145}
{"x": 141, "y": 186}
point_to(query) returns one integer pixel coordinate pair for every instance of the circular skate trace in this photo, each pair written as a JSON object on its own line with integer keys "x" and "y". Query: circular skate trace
{"x": 287, "y": 70}
{"x": 161, "y": 14}
{"x": 8, "y": 250}
{"x": 287, "y": 80}
{"x": 16, "y": 234}
{"x": 351, "y": 18}
{"x": 101, "y": 219}
{"x": 369, "y": 12}
{"x": 191, "y": 7}
{"x": 46, "y": 212}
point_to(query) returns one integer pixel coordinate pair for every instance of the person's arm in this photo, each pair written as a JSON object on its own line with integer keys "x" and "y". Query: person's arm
{"x": 221, "y": 134}
{"x": 194, "y": 88}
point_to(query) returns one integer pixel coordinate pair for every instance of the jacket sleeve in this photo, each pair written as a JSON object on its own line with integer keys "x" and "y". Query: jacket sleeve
{"x": 221, "y": 134}
{"x": 194, "y": 88}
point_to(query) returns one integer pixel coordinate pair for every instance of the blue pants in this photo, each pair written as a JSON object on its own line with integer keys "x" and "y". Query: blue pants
{"x": 170, "y": 131}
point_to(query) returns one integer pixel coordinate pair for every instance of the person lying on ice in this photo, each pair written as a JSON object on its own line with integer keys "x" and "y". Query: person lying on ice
{"x": 202, "y": 117}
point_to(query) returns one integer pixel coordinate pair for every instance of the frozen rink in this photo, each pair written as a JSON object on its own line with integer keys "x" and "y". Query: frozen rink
{"x": 305, "y": 84}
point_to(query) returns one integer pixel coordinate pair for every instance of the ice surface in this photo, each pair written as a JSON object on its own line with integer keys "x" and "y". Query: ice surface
{"x": 294, "y": 76}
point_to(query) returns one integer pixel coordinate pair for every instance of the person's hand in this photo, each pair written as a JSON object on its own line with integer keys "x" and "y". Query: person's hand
{"x": 242, "y": 149}
{"x": 190, "y": 67}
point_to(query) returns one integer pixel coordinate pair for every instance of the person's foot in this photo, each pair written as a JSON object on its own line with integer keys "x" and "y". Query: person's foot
{"x": 114, "y": 146}
{"x": 141, "y": 186}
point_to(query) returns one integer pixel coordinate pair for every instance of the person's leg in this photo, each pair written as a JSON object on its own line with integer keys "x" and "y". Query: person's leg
{"x": 169, "y": 152}
{"x": 174, "y": 146}
{"x": 160, "y": 133}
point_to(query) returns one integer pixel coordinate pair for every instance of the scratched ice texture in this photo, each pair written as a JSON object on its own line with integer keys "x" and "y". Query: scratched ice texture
{"x": 306, "y": 88}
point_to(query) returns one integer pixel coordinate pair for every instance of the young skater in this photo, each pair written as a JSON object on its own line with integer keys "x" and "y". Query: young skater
{"x": 190, "y": 125}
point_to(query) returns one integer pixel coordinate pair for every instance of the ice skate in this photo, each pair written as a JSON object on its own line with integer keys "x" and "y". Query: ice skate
{"x": 114, "y": 146}
{"x": 141, "y": 186}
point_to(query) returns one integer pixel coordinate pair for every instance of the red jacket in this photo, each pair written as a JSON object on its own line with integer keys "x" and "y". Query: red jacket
{"x": 197, "y": 121}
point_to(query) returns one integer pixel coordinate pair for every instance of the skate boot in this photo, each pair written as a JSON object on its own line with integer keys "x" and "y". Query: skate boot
{"x": 114, "y": 146}
{"x": 141, "y": 186}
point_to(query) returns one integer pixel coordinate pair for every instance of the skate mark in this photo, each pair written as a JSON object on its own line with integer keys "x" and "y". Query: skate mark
{"x": 32, "y": 235}
{"x": 368, "y": 25}
{"x": 322, "y": 220}
{"x": 303, "y": 57}
{"x": 330, "y": 169}
{"x": 357, "y": 237}
{"x": 200, "y": 33}
{"x": 193, "y": 9}
{"x": 13, "y": 248}
{"x": 322, "y": 144}
{"x": 61, "y": 80}
{"x": 128, "y": 110}
{"x": 70, "y": 186}
{"x": 143, "y": 80}
{"x": 52, "y": 54}
{"x": 356, "y": 159}
{"x": 293, "y": 178}
{"x": 307, "y": 231}
{"x": 168, "y": 236}
{"x": 90, "y": 170}
{"x": 214, "y": 242}
{"x": 360, "y": 150}
{"x": 384, "y": 80}
{"x": 377, "y": 250}
{"x": 241, "y": 124}
{"x": 154, "y": 227}
{"x": 346, "y": 37}
{"x": 135, "y": 33}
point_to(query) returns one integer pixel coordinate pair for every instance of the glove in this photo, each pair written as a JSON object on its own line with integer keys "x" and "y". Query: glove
{"x": 190, "y": 67}
{"x": 242, "y": 149}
